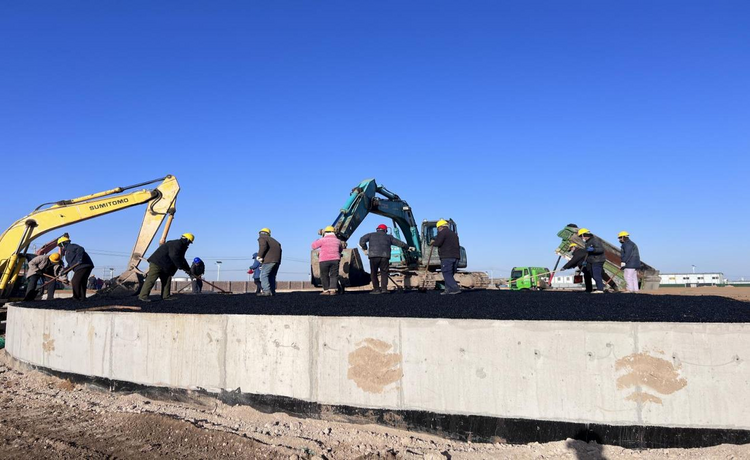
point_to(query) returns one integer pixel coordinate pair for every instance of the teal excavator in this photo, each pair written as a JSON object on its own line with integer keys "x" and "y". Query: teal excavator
{"x": 415, "y": 269}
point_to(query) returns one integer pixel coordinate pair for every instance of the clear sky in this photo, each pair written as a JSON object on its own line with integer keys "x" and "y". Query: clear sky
{"x": 513, "y": 118}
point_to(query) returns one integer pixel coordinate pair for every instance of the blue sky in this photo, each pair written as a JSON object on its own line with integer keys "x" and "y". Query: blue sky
{"x": 513, "y": 118}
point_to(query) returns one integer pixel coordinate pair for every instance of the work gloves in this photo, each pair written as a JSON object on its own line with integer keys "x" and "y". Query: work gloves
{"x": 259, "y": 259}
{"x": 411, "y": 248}
{"x": 622, "y": 264}
{"x": 590, "y": 249}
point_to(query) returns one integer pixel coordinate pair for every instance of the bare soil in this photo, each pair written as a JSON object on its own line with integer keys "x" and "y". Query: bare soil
{"x": 46, "y": 417}
{"x": 731, "y": 292}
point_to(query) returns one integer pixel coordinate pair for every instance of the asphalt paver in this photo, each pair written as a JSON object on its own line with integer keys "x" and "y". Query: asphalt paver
{"x": 480, "y": 304}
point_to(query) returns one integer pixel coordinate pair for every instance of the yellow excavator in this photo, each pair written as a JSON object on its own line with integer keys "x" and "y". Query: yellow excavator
{"x": 160, "y": 201}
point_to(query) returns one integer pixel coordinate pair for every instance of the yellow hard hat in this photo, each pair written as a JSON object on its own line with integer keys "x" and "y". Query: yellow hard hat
{"x": 189, "y": 236}
{"x": 442, "y": 223}
{"x": 572, "y": 245}
{"x": 583, "y": 230}
{"x": 63, "y": 239}
{"x": 328, "y": 229}
{"x": 54, "y": 258}
{"x": 265, "y": 230}
{"x": 623, "y": 233}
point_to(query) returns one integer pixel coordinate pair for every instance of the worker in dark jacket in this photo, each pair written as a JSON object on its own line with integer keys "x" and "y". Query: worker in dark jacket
{"x": 578, "y": 260}
{"x": 50, "y": 265}
{"x": 379, "y": 253}
{"x": 164, "y": 263}
{"x": 197, "y": 269}
{"x": 630, "y": 261}
{"x": 79, "y": 261}
{"x": 595, "y": 257}
{"x": 269, "y": 255}
{"x": 255, "y": 271}
{"x": 449, "y": 250}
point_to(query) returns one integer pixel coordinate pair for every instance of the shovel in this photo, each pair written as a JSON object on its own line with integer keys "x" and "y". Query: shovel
{"x": 422, "y": 288}
{"x": 221, "y": 291}
{"x": 31, "y": 295}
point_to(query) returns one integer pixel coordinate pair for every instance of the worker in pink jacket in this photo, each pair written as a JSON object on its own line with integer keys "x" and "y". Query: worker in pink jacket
{"x": 329, "y": 258}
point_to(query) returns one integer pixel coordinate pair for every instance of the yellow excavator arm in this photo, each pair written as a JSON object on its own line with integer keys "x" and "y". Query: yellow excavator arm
{"x": 50, "y": 216}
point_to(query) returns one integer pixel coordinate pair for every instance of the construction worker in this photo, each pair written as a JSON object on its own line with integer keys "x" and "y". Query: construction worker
{"x": 594, "y": 257}
{"x": 197, "y": 269}
{"x": 379, "y": 253}
{"x": 449, "y": 251}
{"x": 164, "y": 263}
{"x": 269, "y": 255}
{"x": 329, "y": 258}
{"x": 79, "y": 261}
{"x": 630, "y": 260}
{"x": 578, "y": 259}
{"x": 255, "y": 271}
{"x": 50, "y": 265}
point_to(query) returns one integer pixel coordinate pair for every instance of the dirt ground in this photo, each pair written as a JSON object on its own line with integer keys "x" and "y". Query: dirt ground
{"x": 46, "y": 417}
{"x": 732, "y": 292}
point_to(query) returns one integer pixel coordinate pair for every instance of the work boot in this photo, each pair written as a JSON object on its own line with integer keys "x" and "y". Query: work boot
{"x": 142, "y": 299}
{"x": 375, "y": 291}
{"x": 385, "y": 291}
{"x": 445, "y": 292}
{"x": 265, "y": 294}
{"x": 598, "y": 292}
{"x": 454, "y": 292}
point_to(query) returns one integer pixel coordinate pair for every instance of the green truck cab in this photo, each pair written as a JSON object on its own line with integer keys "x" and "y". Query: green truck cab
{"x": 524, "y": 278}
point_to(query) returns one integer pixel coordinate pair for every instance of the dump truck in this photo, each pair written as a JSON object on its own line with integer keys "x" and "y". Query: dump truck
{"x": 648, "y": 276}
{"x": 529, "y": 278}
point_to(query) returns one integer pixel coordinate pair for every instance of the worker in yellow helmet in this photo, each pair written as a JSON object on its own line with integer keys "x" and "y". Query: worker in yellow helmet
{"x": 269, "y": 255}
{"x": 80, "y": 263}
{"x": 630, "y": 261}
{"x": 39, "y": 266}
{"x": 449, "y": 250}
{"x": 594, "y": 258}
{"x": 329, "y": 249}
{"x": 164, "y": 263}
{"x": 578, "y": 260}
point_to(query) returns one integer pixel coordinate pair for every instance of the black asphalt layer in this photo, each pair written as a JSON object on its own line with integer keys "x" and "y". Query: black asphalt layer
{"x": 487, "y": 304}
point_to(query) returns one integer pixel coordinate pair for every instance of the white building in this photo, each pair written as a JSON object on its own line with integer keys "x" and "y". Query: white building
{"x": 562, "y": 281}
{"x": 692, "y": 279}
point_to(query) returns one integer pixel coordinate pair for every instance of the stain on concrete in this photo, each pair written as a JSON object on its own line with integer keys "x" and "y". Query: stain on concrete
{"x": 481, "y": 373}
{"x": 372, "y": 368}
{"x": 643, "y": 398}
{"x": 651, "y": 372}
{"x": 48, "y": 343}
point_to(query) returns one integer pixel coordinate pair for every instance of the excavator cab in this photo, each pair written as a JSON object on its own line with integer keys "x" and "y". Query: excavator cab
{"x": 429, "y": 233}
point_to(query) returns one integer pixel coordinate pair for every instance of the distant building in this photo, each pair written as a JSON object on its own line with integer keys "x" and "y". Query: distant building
{"x": 692, "y": 279}
{"x": 561, "y": 281}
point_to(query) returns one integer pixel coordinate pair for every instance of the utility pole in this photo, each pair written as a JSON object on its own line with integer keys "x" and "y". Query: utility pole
{"x": 218, "y": 270}
{"x": 693, "y": 268}
{"x": 111, "y": 272}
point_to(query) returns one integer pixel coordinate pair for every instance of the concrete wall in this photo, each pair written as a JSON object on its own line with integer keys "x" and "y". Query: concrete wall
{"x": 665, "y": 374}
